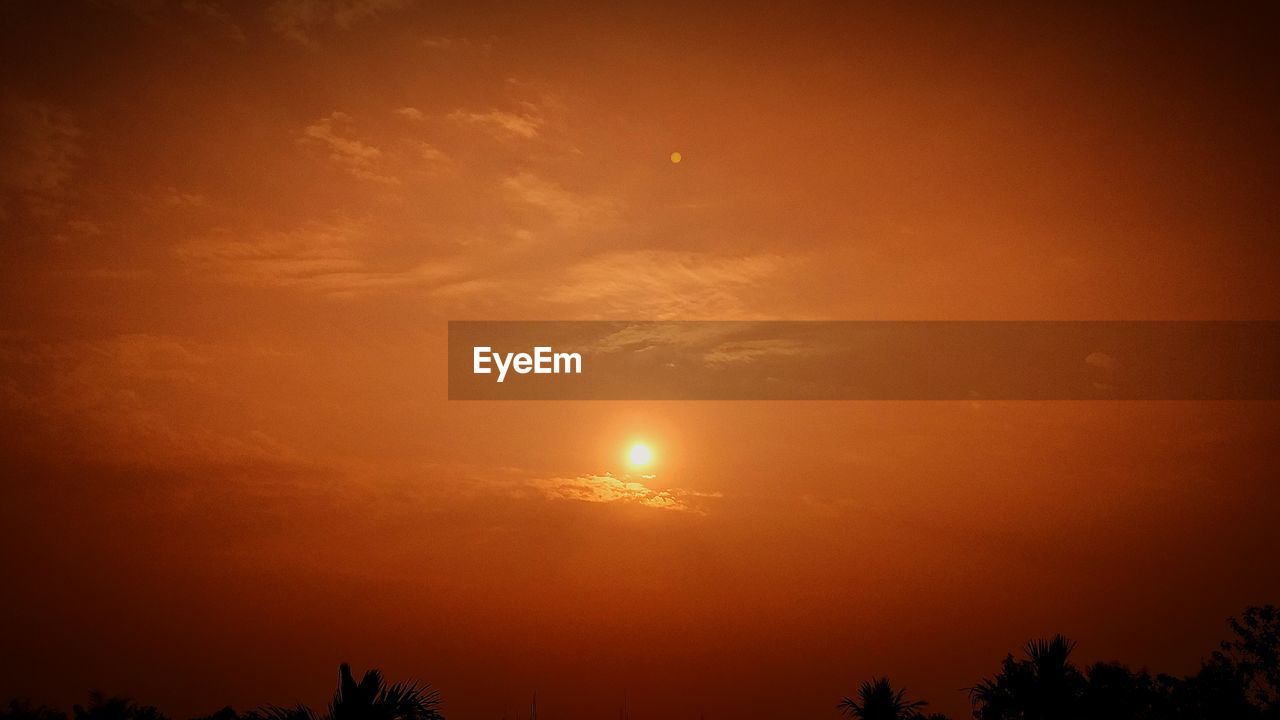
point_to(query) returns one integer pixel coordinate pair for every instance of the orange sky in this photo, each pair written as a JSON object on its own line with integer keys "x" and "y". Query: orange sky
{"x": 233, "y": 235}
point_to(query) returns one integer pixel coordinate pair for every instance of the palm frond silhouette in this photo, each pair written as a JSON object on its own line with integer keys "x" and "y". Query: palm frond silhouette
{"x": 369, "y": 699}
{"x": 877, "y": 700}
{"x": 1045, "y": 684}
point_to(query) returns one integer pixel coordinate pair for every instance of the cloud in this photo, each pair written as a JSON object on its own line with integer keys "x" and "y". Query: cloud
{"x": 73, "y": 229}
{"x": 743, "y": 352}
{"x": 116, "y": 398}
{"x": 145, "y": 10}
{"x": 335, "y": 134}
{"x": 1101, "y": 360}
{"x": 322, "y": 257}
{"x": 209, "y": 13}
{"x": 411, "y": 113}
{"x": 213, "y": 14}
{"x": 501, "y": 124}
{"x": 668, "y": 285}
{"x": 457, "y": 44}
{"x": 637, "y": 338}
{"x": 429, "y": 152}
{"x": 174, "y": 198}
{"x": 40, "y": 144}
{"x": 301, "y": 20}
{"x": 567, "y": 208}
{"x": 609, "y": 489}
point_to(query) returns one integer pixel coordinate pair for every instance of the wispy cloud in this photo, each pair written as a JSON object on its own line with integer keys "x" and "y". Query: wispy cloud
{"x": 428, "y": 152}
{"x": 77, "y": 229}
{"x": 663, "y": 285}
{"x": 215, "y": 16}
{"x": 335, "y": 134}
{"x": 325, "y": 258}
{"x": 713, "y": 344}
{"x": 627, "y": 490}
{"x": 302, "y": 20}
{"x": 41, "y": 146}
{"x": 743, "y": 352}
{"x": 645, "y": 336}
{"x": 501, "y": 124}
{"x": 173, "y": 197}
{"x": 445, "y": 43}
{"x": 567, "y": 208}
{"x": 113, "y": 398}
{"x": 211, "y": 15}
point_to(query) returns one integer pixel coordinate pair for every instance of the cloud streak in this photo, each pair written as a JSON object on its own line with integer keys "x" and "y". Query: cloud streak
{"x": 326, "y": 258}
{"x": 567, "y": 208}
{"x": 501, "y": 124}
{"x": 627, "y": 490}
{"x": 335, "y": 135}
{"x": 303, "y": 20}
{"x": 665, "y": 285}
{"x": 40, "y": 142}
{"x": 113, "y": 399}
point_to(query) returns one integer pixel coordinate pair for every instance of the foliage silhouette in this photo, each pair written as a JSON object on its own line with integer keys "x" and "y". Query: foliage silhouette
{"x": 1255, "y": 653}
{"x": 369, "y": 699}
{"x": 226, "y": 713}
{"x": 1240, "y": 680}
{"x": 1044, "y": 685}
{"x": 22, "y": 709}
{"x": 878, "y": 701}
{"x": 1114, "y": 692}
{"x": 101, "y": 707}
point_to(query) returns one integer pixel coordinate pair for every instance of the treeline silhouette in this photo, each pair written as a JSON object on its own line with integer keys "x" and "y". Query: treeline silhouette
{"x": 369, "y": 699}
{"x": 1240, "y": 680}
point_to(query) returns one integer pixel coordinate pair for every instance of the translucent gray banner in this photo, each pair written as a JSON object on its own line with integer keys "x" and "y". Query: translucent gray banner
{"x": 864, "y": 360}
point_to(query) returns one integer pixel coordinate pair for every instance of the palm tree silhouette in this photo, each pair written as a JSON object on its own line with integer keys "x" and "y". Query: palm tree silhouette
{"x": 1043, "y": 686}
{"x": 369, "y": 699}
{"x": 877, "y": 700}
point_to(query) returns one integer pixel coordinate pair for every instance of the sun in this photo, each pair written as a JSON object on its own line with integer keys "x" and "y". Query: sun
{"x": 676, "y": 157}
{"x": 640, "y": 455}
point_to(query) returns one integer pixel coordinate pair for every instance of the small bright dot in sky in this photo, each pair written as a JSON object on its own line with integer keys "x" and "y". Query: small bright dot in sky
{"x": 640, "y": 454}
{"x": 676, "y": 157}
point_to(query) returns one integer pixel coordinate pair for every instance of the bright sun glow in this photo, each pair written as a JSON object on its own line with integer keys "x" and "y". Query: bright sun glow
{"x": 640, "y": 454}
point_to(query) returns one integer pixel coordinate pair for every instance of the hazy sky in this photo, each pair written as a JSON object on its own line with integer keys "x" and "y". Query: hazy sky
{"x": 233, "y": 235}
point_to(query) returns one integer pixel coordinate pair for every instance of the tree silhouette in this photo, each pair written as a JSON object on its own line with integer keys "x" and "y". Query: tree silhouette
{"x": 21, "y": 709}
{"x": 1045, "y": 685}
{"x": 101, "y": 707}
{"x": 1238, "y": 681}
{"x": 369, "y": 699}
{"x": 877, "y": 700}
{"x": 1114, "y": 692}
{"x": 1255, "y": 654}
